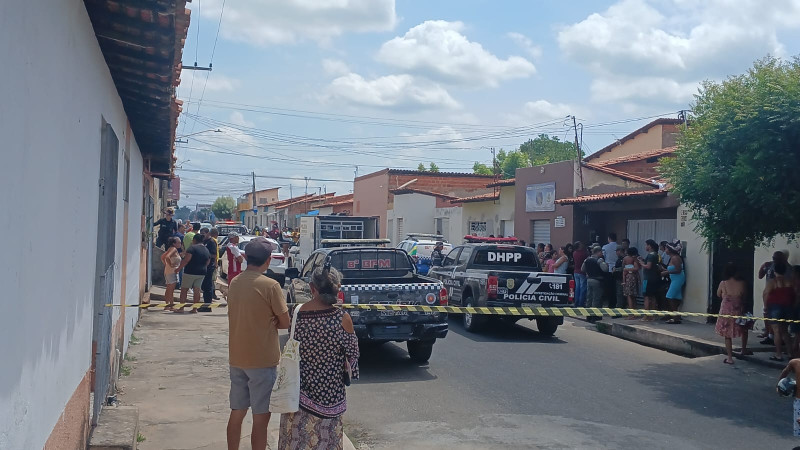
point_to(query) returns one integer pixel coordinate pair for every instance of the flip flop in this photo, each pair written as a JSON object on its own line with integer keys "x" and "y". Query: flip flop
{"x": 725, "y": 361}
{"x": 775, "y": 358}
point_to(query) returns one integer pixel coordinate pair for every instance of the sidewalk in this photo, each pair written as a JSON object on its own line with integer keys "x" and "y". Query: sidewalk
{"x": 691, "y": 338}
{"x": 176, "y": 373}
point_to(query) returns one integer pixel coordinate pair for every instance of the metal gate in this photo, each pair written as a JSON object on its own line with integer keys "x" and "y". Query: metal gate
{"x": 540, "y": 231}
{"x": 103, "y": 363}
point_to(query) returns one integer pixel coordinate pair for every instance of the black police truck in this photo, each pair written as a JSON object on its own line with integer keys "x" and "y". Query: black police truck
{"x": 486, "y": 274}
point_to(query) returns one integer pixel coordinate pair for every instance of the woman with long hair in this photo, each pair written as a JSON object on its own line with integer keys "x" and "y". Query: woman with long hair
{"x": 171, "y": 259}
{"x": 677, "y": 278}
{"x": 630, "y": 277}
{"x": 733, "y": 290}
{"x": 328, "y": 360}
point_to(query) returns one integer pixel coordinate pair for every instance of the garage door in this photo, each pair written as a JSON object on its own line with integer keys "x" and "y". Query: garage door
{"x": 658, "y": 230}
{"x": 541, "y": 231}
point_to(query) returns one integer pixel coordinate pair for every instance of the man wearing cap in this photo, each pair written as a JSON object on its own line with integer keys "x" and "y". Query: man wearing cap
{"x": 167, "y": 228}
{"x": 256, "y": 310}
{"x": 235, "y": 257}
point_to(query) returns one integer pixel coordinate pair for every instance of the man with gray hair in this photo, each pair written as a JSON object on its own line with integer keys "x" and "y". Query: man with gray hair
{"x": 256, "y": 310}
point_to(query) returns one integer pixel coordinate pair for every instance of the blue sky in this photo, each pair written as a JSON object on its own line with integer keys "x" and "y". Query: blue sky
{"x": 314, "y": 88}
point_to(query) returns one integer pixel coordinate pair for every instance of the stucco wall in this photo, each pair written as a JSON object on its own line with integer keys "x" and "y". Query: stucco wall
{"x": 698, "y": 264}
{"x": 562, "y": 173}
{"x": 54, "y": 101}
{"x": 454, "y": 231}
{"x": 370, "y": 196}
{"x": 417, "y": 212}
{"x": 650, "y": 140}
{"x": 491, "y": 212}
{"x": 596, "y": 182}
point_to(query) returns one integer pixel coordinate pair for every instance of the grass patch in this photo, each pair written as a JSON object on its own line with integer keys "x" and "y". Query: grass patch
{"x": 135, "y": 340}
{"x": 140, "y": 437}
{"x": 125, "y": 371}
{"x": 129, "y": 357}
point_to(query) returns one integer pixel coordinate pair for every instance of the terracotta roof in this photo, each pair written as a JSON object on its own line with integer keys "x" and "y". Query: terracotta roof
{"x": 425, "y": 172}
{"x": 637, "y": 156}
{"x": 289, "y": 201}
{"x": 338, "y": 200}
{"x": 621, "y": 174}
{"x": 509, "y": 182}
{"x": 423, "y": 192}
{"x": 489, "y": 196}
{"x": 644, "y": 129}
{"x": 142, "y": 43}
{"x": 611, "y": 196}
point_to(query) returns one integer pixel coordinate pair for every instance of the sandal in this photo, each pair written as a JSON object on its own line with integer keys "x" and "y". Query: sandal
{"x": 673, "y": 321}
{"x": 775, "y": 358}
{"x": 725, "y": 361}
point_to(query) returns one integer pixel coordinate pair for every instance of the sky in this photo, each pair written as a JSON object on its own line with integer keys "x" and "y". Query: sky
{"x": 308, "y": 93}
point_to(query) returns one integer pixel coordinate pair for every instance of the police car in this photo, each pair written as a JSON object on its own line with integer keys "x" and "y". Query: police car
{"x": 497, "y": 274}
{"x": 420, "y": 246}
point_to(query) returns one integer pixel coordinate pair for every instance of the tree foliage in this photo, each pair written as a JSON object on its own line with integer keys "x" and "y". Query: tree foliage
{"x": 421, "y": 167}
{"x": 223, "y": 207}
{"x": 736, "y": 163}
{"x": 508, "y": 163}
{"x": 433, "y": 167}
{"x": 545, "y": 150}
{"x": 482, "y": 169}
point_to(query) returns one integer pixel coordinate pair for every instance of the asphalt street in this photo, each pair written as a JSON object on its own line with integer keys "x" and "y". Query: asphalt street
{"x": 509, "y": 387}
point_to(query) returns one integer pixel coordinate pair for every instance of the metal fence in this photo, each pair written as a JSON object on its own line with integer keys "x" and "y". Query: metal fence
{"x": 102, "y": 336}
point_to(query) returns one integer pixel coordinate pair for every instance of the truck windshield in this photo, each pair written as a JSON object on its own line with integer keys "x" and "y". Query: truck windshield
{"x": 371, "y": 262}
{"x": 507, "y": 257}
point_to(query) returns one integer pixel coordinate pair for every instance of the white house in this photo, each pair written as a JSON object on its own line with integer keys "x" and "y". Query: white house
{"x": 421, "y": 211}
{"x": 88, "y": 118}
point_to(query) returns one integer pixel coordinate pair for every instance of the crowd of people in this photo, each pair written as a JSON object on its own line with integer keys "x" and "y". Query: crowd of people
{"x": 616, "y": 274}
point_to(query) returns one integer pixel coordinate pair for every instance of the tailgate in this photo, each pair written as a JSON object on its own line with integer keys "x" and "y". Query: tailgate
{"x": 426, "y": 294}
{"x": 533, "y": 289}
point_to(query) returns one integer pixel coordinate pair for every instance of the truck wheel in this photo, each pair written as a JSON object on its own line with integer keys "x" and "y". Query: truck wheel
{"x": 546, "y": 325}
{"x": 420, "y": 351}
{"x": 472, "y": 322}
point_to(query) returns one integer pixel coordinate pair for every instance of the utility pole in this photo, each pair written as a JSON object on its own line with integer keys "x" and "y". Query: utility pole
{"x": 578, "y": 151}
{"x": 253, "y": 206}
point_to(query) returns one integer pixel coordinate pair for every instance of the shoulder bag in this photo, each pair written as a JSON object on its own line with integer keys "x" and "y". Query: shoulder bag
{"x": 285, "y": 396}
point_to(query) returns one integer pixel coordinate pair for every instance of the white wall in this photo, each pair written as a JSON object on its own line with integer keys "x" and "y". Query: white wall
{"x": 416, "y": 210}
{"x": 698, "y": 264}
{"x": 455, "y": 230}
{"x": 490, "y": 212}
{"x": 56, "y": 90}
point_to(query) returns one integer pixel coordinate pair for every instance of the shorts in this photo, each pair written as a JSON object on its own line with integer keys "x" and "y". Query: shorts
{"x": 652, "y": 288}
{"x": 779, "y": 312}
{"x": 171, "y": 278}
{"x": 252, "y": 388}
{"x": 191, "y": 281}
{"x": 796, "y": 416}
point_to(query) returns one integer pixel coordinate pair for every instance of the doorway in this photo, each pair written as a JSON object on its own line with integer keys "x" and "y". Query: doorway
{"x": 721, "y": 256}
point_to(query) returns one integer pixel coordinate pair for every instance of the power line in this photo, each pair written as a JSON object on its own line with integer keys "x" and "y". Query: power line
{"x": 264, "y": 176}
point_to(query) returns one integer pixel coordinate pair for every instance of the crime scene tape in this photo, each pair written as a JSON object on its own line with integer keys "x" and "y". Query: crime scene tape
{"x": 501, "y": 311}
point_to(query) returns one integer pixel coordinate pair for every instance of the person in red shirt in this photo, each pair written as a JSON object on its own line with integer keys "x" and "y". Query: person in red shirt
{"x": 235, "y": 256}
{"x": 579, "y": 255}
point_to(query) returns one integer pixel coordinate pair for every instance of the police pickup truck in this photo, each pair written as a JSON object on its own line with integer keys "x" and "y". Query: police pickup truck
{"x": 378, "y": 275}
{"x": 503, "y": 275}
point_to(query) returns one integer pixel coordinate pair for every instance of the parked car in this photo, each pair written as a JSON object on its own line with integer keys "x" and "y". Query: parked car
{"x": 378, "y": 275}
{"x": 503, "y": 275}
{"x": 420, "y": 247}
{"x": 277, "y": 265}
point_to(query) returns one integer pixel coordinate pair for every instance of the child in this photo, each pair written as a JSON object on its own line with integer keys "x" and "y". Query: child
{"x": 793, "y": 368}
{"x": 549, "y": 260}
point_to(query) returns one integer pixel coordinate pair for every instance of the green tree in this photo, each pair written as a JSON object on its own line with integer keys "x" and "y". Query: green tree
{"x": 512, "y": 161}
{"x": 482, "y": 169}
{"x": 223, "y": 207}
{"x": 421, "y": 167}
{"x": 545, "y": 150}
{"x": 434, "y": 167}
{"x": 736, "y": 164}
{"x": 183, "y": 213}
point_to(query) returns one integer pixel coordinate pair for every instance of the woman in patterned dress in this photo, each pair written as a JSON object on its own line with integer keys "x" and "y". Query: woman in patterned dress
{"x": 630, "y": 277}
{"x": 732, "y": 290}
{"x": 328, "y": 344}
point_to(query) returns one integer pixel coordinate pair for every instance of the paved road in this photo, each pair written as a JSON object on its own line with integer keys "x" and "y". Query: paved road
{"x": 512, "y": 388}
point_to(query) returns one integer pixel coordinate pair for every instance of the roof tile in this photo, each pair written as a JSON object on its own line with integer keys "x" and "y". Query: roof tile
{"x": 611, "y": 196}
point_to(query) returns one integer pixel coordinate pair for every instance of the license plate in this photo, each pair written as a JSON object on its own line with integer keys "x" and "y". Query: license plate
{"x": 531, "y": 305}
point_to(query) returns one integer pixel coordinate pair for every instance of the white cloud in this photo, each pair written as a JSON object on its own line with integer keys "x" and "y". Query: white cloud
{"x": 335, "y": 67}
{"x": 218, "y": 83}
{"x": 268, "y": 22}
{"x": 675, "y": 43}
{"x": 237, "y": 118}
{"x": 542, "y": 110}
{"x": 525, "y": 43}
{"x": 391, "y": 91}
{"x": 438, "y": 50}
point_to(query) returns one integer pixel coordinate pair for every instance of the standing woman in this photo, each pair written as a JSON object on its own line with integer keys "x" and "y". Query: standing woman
{"x": 171, "y": 259}
{"x": 732, "y": 289}
{"x": 677, "y": 278}
{"x": 568, "y": 250}
{"x": 562, "y": 261}
{"x": 328, "y": 348}
{"x": 630, "y": 277}
{"x": 779, "y": 297}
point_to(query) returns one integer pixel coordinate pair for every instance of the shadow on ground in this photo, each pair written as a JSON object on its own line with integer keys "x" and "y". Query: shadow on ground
{"x": 499, "y": 331}
{"x": 389, "y": 363}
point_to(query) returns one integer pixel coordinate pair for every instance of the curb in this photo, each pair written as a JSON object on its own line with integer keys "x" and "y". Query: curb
{"x": 676, "y": 343}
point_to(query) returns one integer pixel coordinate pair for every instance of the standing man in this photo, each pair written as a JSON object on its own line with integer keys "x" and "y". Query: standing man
{"x": 235, "y": 257}
{"x": 610, "y": 256}
{"x": 256, "y": 310}
{"x": 187, "y": 238}
{"x": 194, "y": 266}
{"x": 625, "y": 244}
{"x": 167, "y": 228}
{"x": 595, "y": 269}
{"x": 436, "y": 255}
{"x": 579, "y": 255}
{"x": 210, "y": 242}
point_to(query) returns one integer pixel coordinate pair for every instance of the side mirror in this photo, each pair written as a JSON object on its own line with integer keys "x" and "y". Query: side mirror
{"x": 292, "y": 272}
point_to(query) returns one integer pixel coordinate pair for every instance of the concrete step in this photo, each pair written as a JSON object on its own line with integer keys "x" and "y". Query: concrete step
{"x": 117, "y": 429}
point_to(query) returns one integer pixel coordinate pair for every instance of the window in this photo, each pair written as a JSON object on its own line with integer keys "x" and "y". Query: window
{"x": 450, "y": 259}
{"x": 507, "y": 257}
{"x": 463, "y": 258}
{"x": 477, "y": 229}
{"x": 400, "y": 235}
{"x": 540, "y": 230}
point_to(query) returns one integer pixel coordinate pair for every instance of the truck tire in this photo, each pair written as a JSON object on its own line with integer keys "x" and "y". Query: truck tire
{"x": 472, "y": 322}
{"x": 546, "y": 325}
{"x": 420, "y": 351}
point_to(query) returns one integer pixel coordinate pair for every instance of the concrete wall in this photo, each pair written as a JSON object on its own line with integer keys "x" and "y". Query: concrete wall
{"x": 417, "y": 212}
{"x": 491, "y": 212}
{"x": 652, "y": 139}
{"x": 454, "y": 231}
{"x": 562, "y": 173}
{"x": 370, "y": 197}
{"x": 51, "y": 123}
{"x": 597, "y": 182}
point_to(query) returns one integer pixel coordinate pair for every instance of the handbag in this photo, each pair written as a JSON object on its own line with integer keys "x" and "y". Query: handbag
{"x": 285, "y": 397}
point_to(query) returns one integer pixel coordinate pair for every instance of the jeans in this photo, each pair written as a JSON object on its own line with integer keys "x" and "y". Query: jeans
{"x": 580, "y": 289}
{"x": 208, "y": 284}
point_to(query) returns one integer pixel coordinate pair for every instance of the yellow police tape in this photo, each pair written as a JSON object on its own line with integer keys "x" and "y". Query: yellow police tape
{"x": 500, "y": 311}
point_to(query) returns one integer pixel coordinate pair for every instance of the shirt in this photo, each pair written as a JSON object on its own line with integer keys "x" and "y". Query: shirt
{"x": 187, "y": 240}
{"x": 211, "y": 245}
{"x": 610, "y": 253}
{"x": 579, "y": 256}
{"x": 253, "y": 302}
{"x": 654, "y": 273}
{"x": 197, "y": 265}
{"x": 168, "y": 227}
{"x": 593, "y": 267}
{"x": 234, "y": 266}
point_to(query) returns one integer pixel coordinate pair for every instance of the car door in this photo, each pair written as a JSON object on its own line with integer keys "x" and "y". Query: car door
{"x": 459, "y": 274}
{"x": 300, "y": 288}
{"x": 444, "y": 273}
